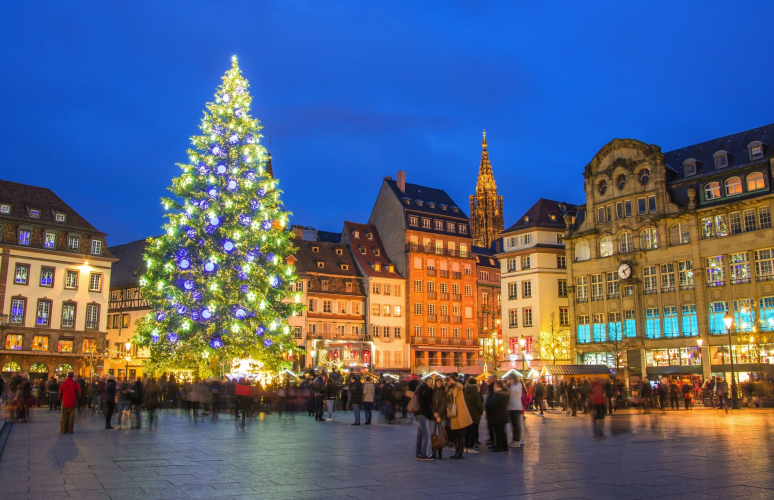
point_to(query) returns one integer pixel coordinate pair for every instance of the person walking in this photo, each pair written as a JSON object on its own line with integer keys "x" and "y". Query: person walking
{"x": 687, "y": 391}
{"x": 475, "y": 404}
{"x": 550, "y": 395}
{"x": 137, "y": 399}
{"x": 423, "y": 415}
{"x": 356, "y": 397}
{"x": 540, "y": 395}
{"x": 110, "y": 400}
{"x": 571, "y": 396}
{"x": 598, "y": 399}
{"x": 497, "y": 415}
{"x": 721, "y": 389}
{"x": 459, "y": 414}
{"x": 515, "y": 408}
{"x": 318, "y": 388}
{"x": 674, "y": 396}
{"x": 330, "y": 397}
{"x": 490, "y": 387}
{"x": 69, "y": 393}
{"x": 124, "y": 398}
{"x": 151, "y": 396}
{"x": 645, "y": 393}
{"x": 438, "y": 407}
{"x": 368, "y": 399}
{"x": 53, "y": 393}
{"x": 609, "y": 389}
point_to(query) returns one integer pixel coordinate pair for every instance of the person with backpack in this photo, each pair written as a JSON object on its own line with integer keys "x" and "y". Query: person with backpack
{"x": 516, "y": 406}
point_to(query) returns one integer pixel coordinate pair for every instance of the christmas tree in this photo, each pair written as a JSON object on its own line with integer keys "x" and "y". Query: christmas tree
{"x": 218, "y": 280}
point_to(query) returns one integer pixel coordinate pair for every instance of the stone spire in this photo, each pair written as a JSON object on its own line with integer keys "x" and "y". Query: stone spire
{"x": 486, "y": 207}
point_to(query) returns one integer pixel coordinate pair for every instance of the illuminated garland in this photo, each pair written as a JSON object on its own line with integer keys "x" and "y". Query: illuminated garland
{"x": 218, "y": 280}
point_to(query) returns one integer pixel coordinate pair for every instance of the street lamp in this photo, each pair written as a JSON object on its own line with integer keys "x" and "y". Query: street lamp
{"x": 522, "y": 344}
{"x": 729, "y": 320}
{"x": 128, "y": 357}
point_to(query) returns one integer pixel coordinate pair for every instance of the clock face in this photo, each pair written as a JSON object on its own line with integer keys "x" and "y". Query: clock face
{"x": 624, "y": 271}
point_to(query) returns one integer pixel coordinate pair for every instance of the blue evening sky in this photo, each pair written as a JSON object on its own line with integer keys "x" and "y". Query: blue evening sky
{"x": 98, "y": 99}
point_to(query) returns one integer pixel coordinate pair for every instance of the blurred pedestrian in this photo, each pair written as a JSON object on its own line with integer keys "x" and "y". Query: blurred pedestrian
{"x": 540, "y": 396}
{"x": 550, "y": 393}
{"x": 475, "y": 404}
{"x": 438, "y": 405}
{"x": 356, "y": 397}
{"x": 368, "y": 399}
{"x": 330, "y": 397}
{"x": 459, "y": 416}
{"x": 318, "y": 388}
{"x": 687, "y": 391}
{"x": 423, "y": 413}
{"x": 151, "y": 395}
{"x": 53, "y": 394}
{"x": 110, "y": 400}
{"x": 674, "y": 396}
{"x": 497, "y": 415}
{"x": 69, "y": 393}
{"x": 597, "y": 397}
{"x": 515, "y": 408}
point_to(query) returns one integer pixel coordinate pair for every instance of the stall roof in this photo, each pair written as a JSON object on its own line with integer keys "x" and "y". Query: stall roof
{"x": 576, "y": 369}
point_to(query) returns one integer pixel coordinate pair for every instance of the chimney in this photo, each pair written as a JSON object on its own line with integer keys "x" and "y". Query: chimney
{"x": 402, "y": 180}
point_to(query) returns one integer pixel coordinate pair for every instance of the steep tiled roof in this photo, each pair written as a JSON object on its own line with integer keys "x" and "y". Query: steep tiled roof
{"x": 22, "y": 197}
{"x": 307, "y": 259}
{"x": 427, "y": 196}
{"x": 540, "y": 215}
{"x": 485, "y": 257}
{"x": 367, "y": 260}
{"x": 130, "y": 266}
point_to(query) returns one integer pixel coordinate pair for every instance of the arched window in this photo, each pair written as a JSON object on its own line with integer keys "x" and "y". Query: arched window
{"x": 63, "y": 369}
{"x": 649, "y": 239}
{"x": 721, "y": 159}
{"x": 689, "y": 166}
{"x": 625, "y": 243}
{"x": 733, "y": 186}
{"x": 606, "y": 246}
{"x": 12, "y": 367}
{"x": 602, "y": 187}
{"x": 39, "y": 368}
{"x": 582, "y": 251}
{"x": 712, "y": 190}
{"x": 644, "y": 176}
{"x": 679, "y": 234}
{"x": 755, "y": 181}
{"x": 620, "y": 181}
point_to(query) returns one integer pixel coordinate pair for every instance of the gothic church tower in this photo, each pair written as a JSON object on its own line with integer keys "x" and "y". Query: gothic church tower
{"x": 486, "y": 208}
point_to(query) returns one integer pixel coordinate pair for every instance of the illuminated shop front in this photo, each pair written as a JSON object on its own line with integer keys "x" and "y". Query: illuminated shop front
{"x": 330, "y": 354}
{"x": 682, "y": 356}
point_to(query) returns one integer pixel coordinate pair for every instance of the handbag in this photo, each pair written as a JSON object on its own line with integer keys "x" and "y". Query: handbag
{"x": 409, "y": 394}
{"x": 439, "y": 440}
{"x": 451, "y": 409}
{"x": 413, "y": 405}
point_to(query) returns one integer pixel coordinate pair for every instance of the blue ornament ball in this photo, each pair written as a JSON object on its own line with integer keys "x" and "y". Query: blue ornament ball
{"x": 197, "y": 295}
{"x": 203, "y": 168}
{"x": 172, "y": 337}
{"x": 212, "y": 192}
{"x": 249, "y": 139}
{"x": 250, "y": 256}
{"x": 244, "y": 288}
{"x": 232, "y": 185}
{"x": 201, "y": 242}
{"x": 239, "y": 90}
{"x": 154, "y": 337}
{"x": 194, "y": 315}
{"x": 189, "y": 285}
{"x": 184, "y": 264}
{"x": 254, "y": 205}
{"x": 261, "y": 192}
{"x": 190, "y": 233}
{"x": 239, "y": 112}
{"x": 242, "y": 275}
{"x": 233, "y": 138}
{"x": 218, "y": 130}
{"x": 245, "y": 220}
{"x": 182, "y": 309}
{"x": 250, "y": 175}
{"x": 226, "y": 98}
{"x": 240, "y": 313}
{"x": 274, "y": 281}
{"x": 214, "y": 220}
{"x": 270, "y": 257}
{"x": 228, "y": 246}
{"x": 221, "y": 169}
{"x": 210, "y": 267}
{"x": 268, "y": 342}
{"x": 204, "y": 205}
{"x": 161, "y": 316}
{"x": 260, "y": 331}
{"x": 206, "y": 314}
{"x": 266, "y": 225}
{"x": 217, "y": 150}
{"x": 216, "y": 343}
{"x": 209, "y": 229}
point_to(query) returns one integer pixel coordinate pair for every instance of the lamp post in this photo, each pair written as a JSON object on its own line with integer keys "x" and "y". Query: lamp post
{"x": 522, "y": 344}
{"x": 729, "y": 320}
{"x": 128, "y": 357}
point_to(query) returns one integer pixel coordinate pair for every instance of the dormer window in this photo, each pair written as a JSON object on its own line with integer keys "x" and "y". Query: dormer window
{"x": 419, "y": 202}
{"x": 5, "y": 209}
{"x": 321, "y": 265}
{"x": 345, "y": 267}
{"x": 376, "y": 251}
{"x": 407, "y": 201}
{"x": 370, "y": 236}
{"x": 316, "y": 249}
{"x": 377, "y": 266}
{"x": 362, "y": 250}
{"x": 431, "y": 204}
{"x": 356, "y": 233}
{"x": 689, "y": 166}
{"x": 721, "y": 159}
{"x": 390, "y": 268}
{"x": 526, "y": 218}
{"x": 455, "y": 209}
{"x": 463, "y": 229}
{"x": 60, "y": 217}
{"x": 756, "y": 150}
{"x": 552, "y": 216}
{"x": 339, "y": 251}
{"x": 443, "y": 207}
{"x": 34, "y": 214}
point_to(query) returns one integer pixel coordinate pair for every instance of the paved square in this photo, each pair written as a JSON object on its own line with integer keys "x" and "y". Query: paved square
{"x": 701, "y": 454}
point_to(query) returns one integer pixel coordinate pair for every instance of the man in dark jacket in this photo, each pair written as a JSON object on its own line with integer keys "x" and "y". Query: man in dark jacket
{"x": 318, "y": 386}
{"x": 356, "y": 397}
{"x": 475, "y": 404}
{"x": 424, "y": 395}
{"x": 497, "y": 415}
{"x": 110, "y": 400}
{"x": 53, "y": 393}
{"x": 69, "y": 392}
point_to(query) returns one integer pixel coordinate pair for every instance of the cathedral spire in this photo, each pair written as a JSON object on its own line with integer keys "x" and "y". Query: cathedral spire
{"x": 486, "y": 207}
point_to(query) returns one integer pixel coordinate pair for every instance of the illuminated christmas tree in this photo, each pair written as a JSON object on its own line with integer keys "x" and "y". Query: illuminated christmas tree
{"x": 218, "y": 279}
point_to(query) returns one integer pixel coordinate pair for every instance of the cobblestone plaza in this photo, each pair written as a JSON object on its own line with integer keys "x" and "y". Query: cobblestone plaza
{"x": 697, "y": 454}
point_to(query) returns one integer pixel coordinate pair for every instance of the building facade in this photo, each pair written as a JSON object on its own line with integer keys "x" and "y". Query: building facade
{"x": 534, "y": 287}
{"x": 126, "y": 306}
{"x": 426, "y": 235}
{"x": 665, "y": 245}
{"x": 385, "y": 307}
{"x": 486, "y": 207}
{"x": 488, "y": 303}
{"x": 54, "y": 276}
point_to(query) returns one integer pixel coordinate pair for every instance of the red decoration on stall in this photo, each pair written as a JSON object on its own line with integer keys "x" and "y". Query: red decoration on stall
{"x": 366, "y": 357}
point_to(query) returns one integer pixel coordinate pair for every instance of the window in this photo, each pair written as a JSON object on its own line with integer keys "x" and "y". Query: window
{"x": 582, "y": 251}
{"x": 652, "y": 324}
{"x": 413, "y": 220}
{"x": 34, "y": 214}
{"x": 750, "y": 220}
{"x": 690, "y": 324}
{"x": 671, "y": 328}
{"x": 756, "y": 150}
{"x": 14, "y": 341}
{"x": 525, "y": 263}
{"x": 396, "y": 332}
{"x": 369, "y": 235}
{"x": 689, "y": 166}
{"x": 417, "y": 285}
{"x": 5, "y": 209}
{"x": 716, "y": 312}
{"x": 468, "y": 312}
{"x": 714, "y": 227}
{"x": 375, "y": 309}
{"x": 628, "y": 208}
{"x": 733, "y": 186}
{"x": 764, "y": 264}
{"x": 755, "y": 181}
{"x": 526, "y": 289}
{"x": 630, "y": 324}
{"x": 526, "y": 316}
{"x": 431, "y": 332}
{"x": 418, "y": 308}
{"x": 602, "y": 187}
{"x": 21, "y": 277}
{"x": 561, "y": 262}
{"x": 511, "y": 265}
{"x": 712, "y": 190}
{"x": 47, "y": 276}
{"x": 613, "y": 289}
{"x": 619, "y": 210}
{"x": 651, "y": 204}
{"x": 439, "y": 247}
{"x": 324, "y": 285}
{"x": 327, "y": 306}
{"x": 601, "y": 215}
{"x": 484, "y": 275}
{"x": 377, "y": 288}
{"x": 597, "y": 286}
{"x": 417, "y": 331}
{"x": 450, "y": 227}
{"x": 71, "y": 279}
{"x": 24, "y": 236}
{"x": 615, "y": 331}
{"x": 564, "y": 316}
{"x": 463, "y": 250}
{"x": 43, "y": 317}
{"x": 73, "y": 242}
{"x": 598, "y": 332}
{"x": 606, "y": 246}
{"x": 641, "y": 206}
{"x": 96, "y": 247}
{"x": 527, "y": 239}
{"x": 649, "y": 279}
{"x": 582, "y": 288}
{"x": 739, "y": 266}
{"x": 468, "y": 290}
{"x": 348, "y": 286}
{"x": 463, "y": 229}
{"x": 396, "y": 290}
{"x": 40, "y": 343}
{"x": 625, "y": 242}
{"x": 679, "y": 234}
{"x": 721, "y": 159}
{"x": 620, "y": 181}
{"x": 467, "y": 270}
{"x": 513, "y": 290}
{"x": 644, "y": 176}
{"x": 764, "y": 218}
{"x": 716, "y": 274}
{"x": 735, "y": 219}
{"x": 562, "y": 288}
{"x": 438, "y": 225}
{"x": 427, "y": 224}
{"x": 649, "y": 239}
{"x": 50, "y": 241}
{"x": 584, "y": 330}
{"x": 68, "y": 315}
{"x": 668, "y": 277}
{"x": 17, "y": 311}
{"x": 321, "y": 265}
{"x": 64, "y": 345}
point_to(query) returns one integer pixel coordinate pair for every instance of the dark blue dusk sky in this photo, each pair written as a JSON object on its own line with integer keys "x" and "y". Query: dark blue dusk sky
{"x": 98, "y": 99}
